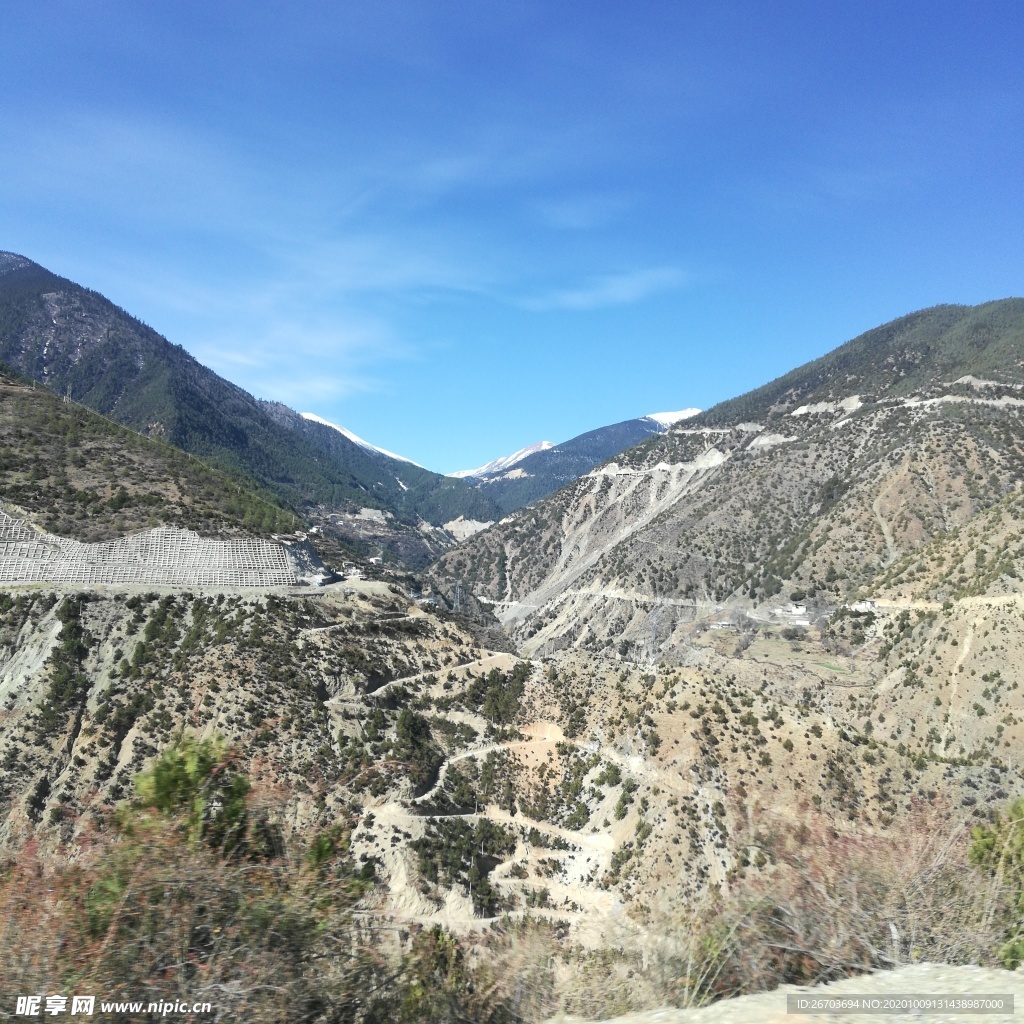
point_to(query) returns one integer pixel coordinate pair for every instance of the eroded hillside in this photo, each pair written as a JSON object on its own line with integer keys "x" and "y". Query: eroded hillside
{"x": 816, "y": 499}
{"x": 767, "y": 682}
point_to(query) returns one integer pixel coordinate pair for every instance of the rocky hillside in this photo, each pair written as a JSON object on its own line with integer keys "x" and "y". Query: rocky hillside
{"x": 590, "y": 805}
{"x": 763, "y": 726}
{"x": 815, "y": 496}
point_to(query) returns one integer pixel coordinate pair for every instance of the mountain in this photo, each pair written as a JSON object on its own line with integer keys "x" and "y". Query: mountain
{"x": 356, "y": 439}
{"x": 539, "y": 470}
{"x": 769, "y": 684}
{"x": 80, "y": 344}
{"x": 504, "y": 462}
{"x": 939, "y": 344}
{"x": 811, "y": 485}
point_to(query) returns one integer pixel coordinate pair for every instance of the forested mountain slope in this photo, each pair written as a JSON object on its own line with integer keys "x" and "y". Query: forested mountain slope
{"x": 78, "y": 343}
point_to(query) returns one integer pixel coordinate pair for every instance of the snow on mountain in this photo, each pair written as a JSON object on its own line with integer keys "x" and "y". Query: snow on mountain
{"x": 506, "y": 462}
{"x": 661, "y": 420}
{"x": 356, "y": 439}
{"x": 666, "y": 419}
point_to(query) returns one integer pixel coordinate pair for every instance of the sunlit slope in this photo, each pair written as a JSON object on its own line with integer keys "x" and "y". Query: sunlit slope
{"x": 79, "y": 475}
{"x": 809, "y": 487}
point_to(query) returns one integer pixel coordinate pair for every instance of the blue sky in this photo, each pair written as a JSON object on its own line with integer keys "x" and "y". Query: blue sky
{"x": 457, "y": 228}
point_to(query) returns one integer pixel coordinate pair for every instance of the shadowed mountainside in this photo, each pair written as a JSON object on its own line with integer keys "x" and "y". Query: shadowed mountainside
{"x": 79, "y": 343}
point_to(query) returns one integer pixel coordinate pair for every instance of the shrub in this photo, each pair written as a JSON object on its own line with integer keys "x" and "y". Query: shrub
{"x": 202, "y": 782}
{"x": 998, "y": 849}
{"x": 152, "y": 912}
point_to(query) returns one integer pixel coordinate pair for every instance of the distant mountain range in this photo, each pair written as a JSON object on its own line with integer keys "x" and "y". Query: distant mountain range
{"x": 499, "y": 465}
{"x": 541, "y": 469}
{"x": 83, "y": 346}
{"x": 79, "y": 344}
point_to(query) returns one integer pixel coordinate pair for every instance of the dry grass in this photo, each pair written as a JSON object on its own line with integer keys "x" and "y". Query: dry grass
{"x": 157, "y": 917}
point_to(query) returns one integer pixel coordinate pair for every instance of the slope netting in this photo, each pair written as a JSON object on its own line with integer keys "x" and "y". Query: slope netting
{"x": 162, "y": 556}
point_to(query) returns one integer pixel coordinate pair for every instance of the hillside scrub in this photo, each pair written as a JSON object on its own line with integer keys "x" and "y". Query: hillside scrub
{"x": 998, "y": 849}
{"x": 810, "y": 904}
{"x": 81, "y": 475}
{"x": 158, "y": 909}
{"x": 180, "y": 896}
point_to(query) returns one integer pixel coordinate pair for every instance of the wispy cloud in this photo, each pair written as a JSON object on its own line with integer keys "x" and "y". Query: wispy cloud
{"x": 613, "y": 290}
{"x": 384, "y": 262}
{"x": 582, "y": 212}
{"x": 300, "y": 362}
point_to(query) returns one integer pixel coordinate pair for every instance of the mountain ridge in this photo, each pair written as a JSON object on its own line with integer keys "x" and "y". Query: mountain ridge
{"x": 726, "y": 510}
{"x": 535, "y": 475}
{"x": 503, "y": 462}
{"x": 663, "y": 420}
{"x": 79, "y": 343}
{"x": 950, "y": 338}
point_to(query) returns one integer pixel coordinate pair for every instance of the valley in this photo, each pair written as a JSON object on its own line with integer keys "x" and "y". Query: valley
{"x": 739, "y": 707}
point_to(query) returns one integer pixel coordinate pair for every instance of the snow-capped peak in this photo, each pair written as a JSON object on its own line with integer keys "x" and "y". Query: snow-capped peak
{"x": 355, "y": 438}
{"x": 666, "y": 419}
{"x": 506, "y": 462}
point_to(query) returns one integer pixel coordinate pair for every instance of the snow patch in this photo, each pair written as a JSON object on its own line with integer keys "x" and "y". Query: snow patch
{"x": 666, "y": 419}
{"x": 355, "y": 438}
{"x": 505, "y": 462}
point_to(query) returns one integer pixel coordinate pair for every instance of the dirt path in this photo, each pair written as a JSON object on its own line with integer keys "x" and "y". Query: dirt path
{"x": 891, "y": 550}
{"x": 348, "y": 625}
{"x": 479, "y": 752}
{"x": 499, "y": 659}
{"x": 545, "y": 735}
{"x": 928, "y": 980}
{"x": 968, "y": 640}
